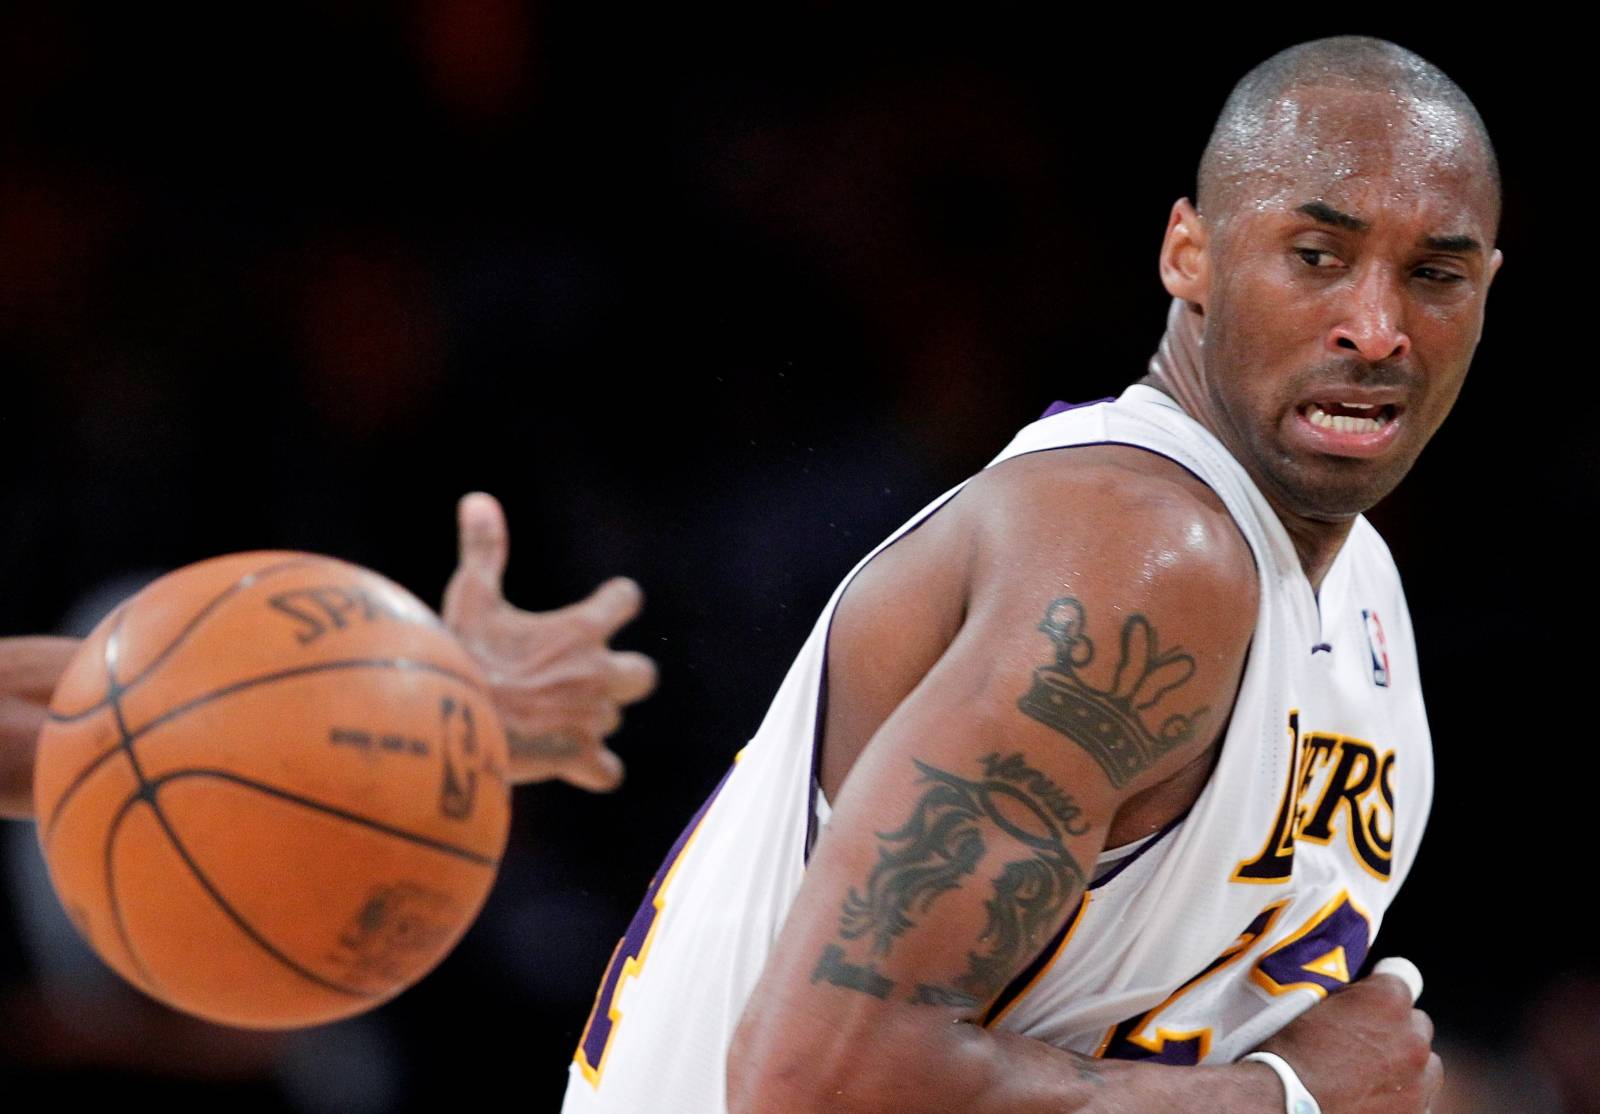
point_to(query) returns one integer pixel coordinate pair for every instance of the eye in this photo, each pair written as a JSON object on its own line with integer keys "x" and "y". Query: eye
{"x": 1438, "y": 275}
{"x": 1317, "y": 257}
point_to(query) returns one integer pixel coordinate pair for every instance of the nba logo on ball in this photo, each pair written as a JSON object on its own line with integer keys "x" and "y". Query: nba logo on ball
{"x": 1379, "y": 646}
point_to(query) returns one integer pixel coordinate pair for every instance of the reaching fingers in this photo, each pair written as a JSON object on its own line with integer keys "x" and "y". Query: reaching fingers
{"x": 633, "y": 676}
{"x": 599, "y": 771}
{"x": 611, "y": 606}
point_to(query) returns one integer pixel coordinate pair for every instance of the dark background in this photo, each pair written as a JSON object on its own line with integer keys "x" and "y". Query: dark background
{"x": 715, "y": 300}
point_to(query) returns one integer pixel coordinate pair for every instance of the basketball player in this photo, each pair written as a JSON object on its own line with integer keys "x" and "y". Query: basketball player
{"x": 558, "y": 686}
{"x": 1100, "y": 773}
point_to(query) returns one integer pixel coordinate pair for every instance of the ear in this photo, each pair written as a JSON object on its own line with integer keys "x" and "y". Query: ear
{"x": 1185, "y": 265}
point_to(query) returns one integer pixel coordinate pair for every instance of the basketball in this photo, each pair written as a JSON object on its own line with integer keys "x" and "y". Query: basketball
{"x": 272, "y": 791}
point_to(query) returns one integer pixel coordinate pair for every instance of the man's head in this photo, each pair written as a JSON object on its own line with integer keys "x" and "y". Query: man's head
{"x": 1340, "y": 256}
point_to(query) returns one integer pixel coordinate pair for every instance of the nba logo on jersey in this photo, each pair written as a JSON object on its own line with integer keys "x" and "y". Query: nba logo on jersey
{"x": 1379, "y": 647}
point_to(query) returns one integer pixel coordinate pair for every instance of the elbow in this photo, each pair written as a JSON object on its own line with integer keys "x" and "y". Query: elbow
{"x": 795, "y": 1086}
{"x": 898, "y": 1063}
{"x": 779, "y": 1064}
{"x": 766, "y": 1072}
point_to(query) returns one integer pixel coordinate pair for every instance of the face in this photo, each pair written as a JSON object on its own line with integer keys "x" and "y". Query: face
{"x": 1342, "y": 283}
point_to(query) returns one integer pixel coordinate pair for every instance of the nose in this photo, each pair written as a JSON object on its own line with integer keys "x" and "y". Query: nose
{"x": 1372, "y": 323}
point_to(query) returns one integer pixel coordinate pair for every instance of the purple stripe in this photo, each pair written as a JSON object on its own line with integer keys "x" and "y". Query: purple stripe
{"x": 1059, "y": 407}
{"x": 820, "y": 723}
{"x": 598, "y": 1031}
{"x": 1128, "y": 860}
{"x": 818, "y": 727}
{"x": 1016, "y": 986}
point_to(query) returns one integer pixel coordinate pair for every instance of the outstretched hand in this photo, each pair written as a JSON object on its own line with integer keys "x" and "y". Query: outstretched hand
{"x": 558, "y": 686}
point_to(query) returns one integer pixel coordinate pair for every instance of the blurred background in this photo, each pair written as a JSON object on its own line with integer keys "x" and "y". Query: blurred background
{"x": 714, "y": 299}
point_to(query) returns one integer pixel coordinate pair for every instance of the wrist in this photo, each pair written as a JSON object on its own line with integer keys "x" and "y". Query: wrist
{"x": 1294, "y": 1095}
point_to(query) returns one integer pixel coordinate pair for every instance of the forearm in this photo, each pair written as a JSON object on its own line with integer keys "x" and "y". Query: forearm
{"x": 910, "y": 1059}
{"x": 29, "y": 669}
{"x": 1029, "y": 1076}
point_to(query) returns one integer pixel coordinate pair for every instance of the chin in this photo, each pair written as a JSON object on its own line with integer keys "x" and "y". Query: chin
{"x": 1336, "y": 498}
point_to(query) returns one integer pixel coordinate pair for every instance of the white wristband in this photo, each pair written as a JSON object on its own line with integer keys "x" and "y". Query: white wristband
{"x": 1296, "y": 1099}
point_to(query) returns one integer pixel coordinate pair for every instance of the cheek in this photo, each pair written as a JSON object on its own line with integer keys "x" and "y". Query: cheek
{"x": 1265, "y": 340}
{"x": 1269, "y": 307}
{"x": 1443, "y": 342}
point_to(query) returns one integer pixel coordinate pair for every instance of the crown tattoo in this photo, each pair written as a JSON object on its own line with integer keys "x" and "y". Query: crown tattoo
{"x": 1109, "y": 722}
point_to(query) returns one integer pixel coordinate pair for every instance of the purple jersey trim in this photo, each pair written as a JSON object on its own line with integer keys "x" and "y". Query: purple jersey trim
{"x": 816, "y": 746}
{"x": 1129, "y": 859}
{"x": 598, "y": 1032}
{"x": 1059, "y": 407}
{"x": 1015, "y": 988}
{"x": 820, "y": 723}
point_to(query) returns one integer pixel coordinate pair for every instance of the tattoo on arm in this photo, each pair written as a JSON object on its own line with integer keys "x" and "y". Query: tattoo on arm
{"x": 954, "y": 825}
{"x": 1109, "y": 722}
{"x": 833, "y": 967}
{"x": 555, "y": 745}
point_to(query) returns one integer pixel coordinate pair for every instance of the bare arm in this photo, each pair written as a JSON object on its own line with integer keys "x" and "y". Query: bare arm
{"x": 962, "y": 839}
{"x": 557, "y": 684}
{"x": 29, "y": 668}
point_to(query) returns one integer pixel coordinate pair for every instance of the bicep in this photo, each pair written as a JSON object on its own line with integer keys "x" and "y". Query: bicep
{"x": 966, "y": 832}
{"x": 959, "y": 843}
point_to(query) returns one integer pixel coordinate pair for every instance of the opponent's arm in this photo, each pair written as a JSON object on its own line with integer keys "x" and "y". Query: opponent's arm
{"x": 557, "y": 684}
{"x": 962, "y": 840}
{"x": 29, "y": 669}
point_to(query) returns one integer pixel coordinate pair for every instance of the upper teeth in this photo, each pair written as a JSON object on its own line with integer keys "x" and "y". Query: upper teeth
{"x": 1344, "y": 423}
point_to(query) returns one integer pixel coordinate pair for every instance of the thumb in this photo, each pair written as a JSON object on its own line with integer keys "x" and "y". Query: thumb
{"x": 484, "y": 544}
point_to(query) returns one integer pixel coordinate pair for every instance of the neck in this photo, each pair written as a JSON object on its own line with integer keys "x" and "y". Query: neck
{"x": 1178, "y": 369}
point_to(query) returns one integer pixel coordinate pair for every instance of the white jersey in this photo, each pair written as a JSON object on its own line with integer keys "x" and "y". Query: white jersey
{"x": 1193, "y": 946}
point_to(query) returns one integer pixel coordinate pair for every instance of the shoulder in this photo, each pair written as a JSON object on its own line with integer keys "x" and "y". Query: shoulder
{"x": 1111, "y": 515}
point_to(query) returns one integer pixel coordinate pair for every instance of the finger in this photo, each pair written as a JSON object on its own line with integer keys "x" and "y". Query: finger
{"x": 484, "y": 540}
{"x": 602, "y": 720}
{"x": 1404, "y": 970}
{"x": 611, "y": 605}
{"x": 633, "y": 676}
{"x": 600, "y": 772}
{"x": 474, "y": 588}
{"x": 1424, "y": 1025}
{"x": 1433, "y": 1078}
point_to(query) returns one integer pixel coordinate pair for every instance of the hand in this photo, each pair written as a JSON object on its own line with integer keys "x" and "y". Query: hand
{"x": 1364, "y": 1050}
{"x": 558, "y": 686}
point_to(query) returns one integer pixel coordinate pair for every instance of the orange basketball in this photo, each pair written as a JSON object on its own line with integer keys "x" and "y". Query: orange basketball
{"x": 272, "y": 791}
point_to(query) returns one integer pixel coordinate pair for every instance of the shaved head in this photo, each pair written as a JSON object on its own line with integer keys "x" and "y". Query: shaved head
{"x": 1318, "y": 101}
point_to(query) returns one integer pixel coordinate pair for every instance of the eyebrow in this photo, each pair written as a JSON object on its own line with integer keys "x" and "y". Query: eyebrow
{"x": 1324, "y": 213}
{"x": 1459, "y": 244}
{"x": 1327, "y": 214}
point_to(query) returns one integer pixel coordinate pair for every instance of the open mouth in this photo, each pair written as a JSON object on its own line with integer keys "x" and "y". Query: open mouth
{"x": 1363, "y": 426}
{"x": 1349, "y": 417}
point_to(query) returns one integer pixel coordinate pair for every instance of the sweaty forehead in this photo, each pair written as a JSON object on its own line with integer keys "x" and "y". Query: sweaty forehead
{"x": 1363, "y": 147}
